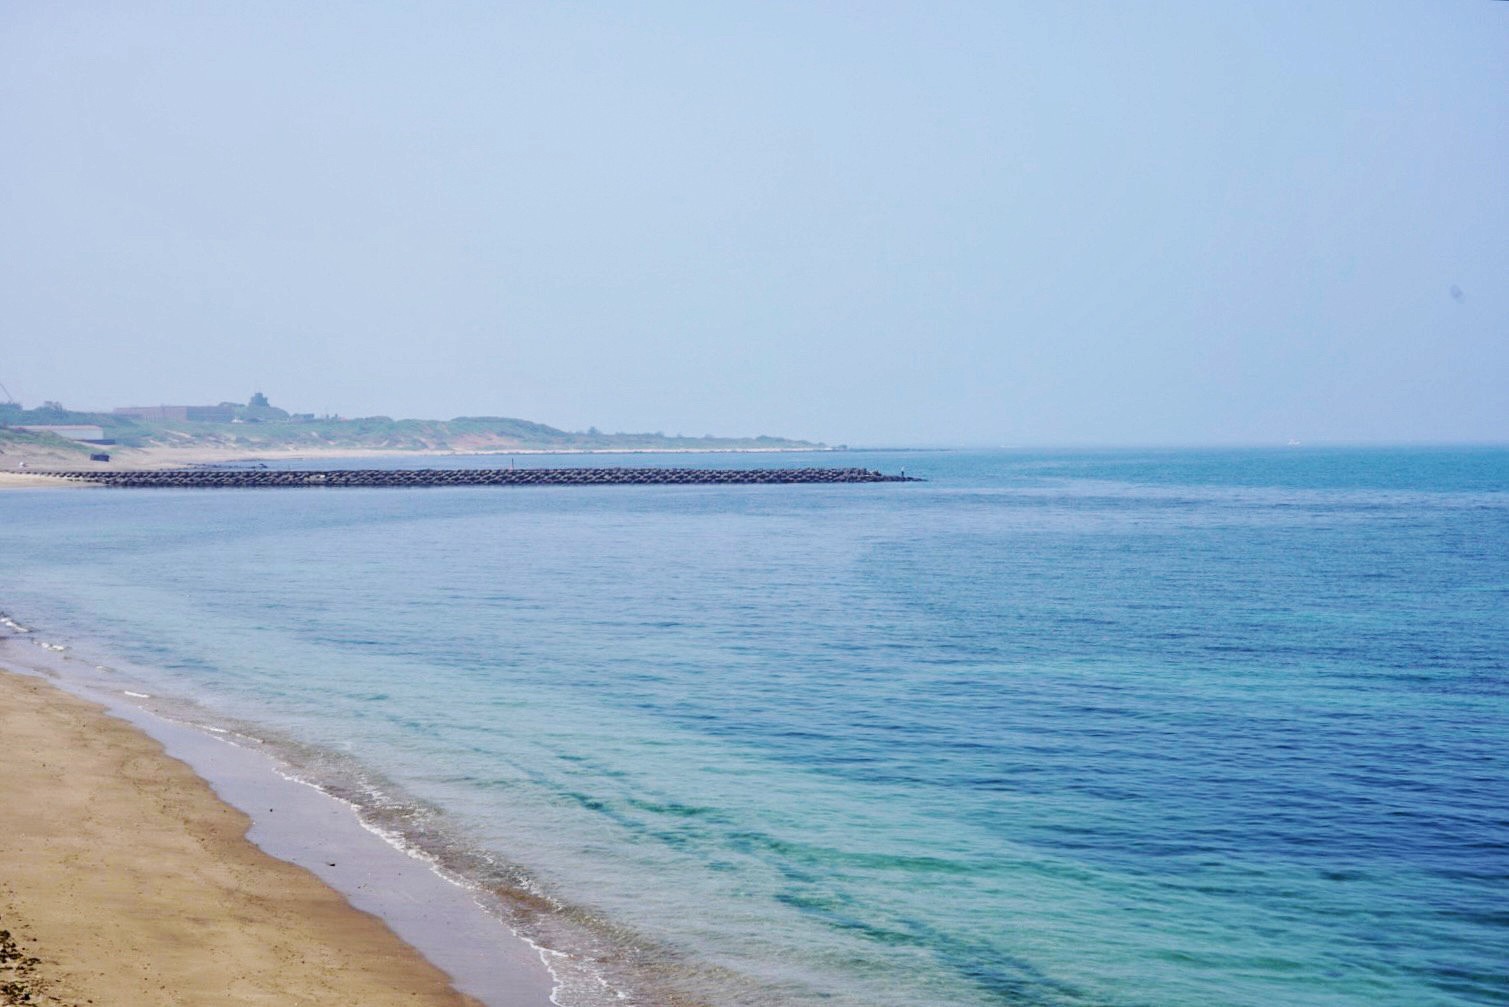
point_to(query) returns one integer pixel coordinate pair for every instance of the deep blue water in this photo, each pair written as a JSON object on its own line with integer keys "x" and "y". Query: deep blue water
{"x": 1111, "y": 728}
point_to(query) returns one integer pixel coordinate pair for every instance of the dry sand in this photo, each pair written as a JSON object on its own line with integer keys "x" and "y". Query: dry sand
{"x": 124, "y": 880}
{"x": 37, "y": 457}
{"x": 28, "y": 480}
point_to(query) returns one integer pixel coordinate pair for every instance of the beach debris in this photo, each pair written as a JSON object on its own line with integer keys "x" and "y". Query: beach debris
{"x": 20, "y": 982}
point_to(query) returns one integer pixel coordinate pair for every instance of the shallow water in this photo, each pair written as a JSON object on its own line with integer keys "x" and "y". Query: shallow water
{"x": 1113, "y": 728}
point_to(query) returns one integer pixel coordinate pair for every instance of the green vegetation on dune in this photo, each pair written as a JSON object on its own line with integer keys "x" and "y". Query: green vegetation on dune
{"x": 29, "y": 442}
{"x": 261, "y": 426}
{"x": 470, "y": 433}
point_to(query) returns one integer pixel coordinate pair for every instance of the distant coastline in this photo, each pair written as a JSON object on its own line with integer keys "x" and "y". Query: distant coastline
{"x": 45, "y": 457}
{"x": 53, "y": 436}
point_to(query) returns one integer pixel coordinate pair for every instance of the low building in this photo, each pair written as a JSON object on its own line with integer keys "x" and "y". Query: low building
{"x": 167, "y": 413}
{"x": 223, "y": 413}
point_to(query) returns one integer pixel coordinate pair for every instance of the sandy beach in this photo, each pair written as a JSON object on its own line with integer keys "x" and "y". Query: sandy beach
{"x": 124, "y": 880}
{"x": 38, "y": 462}
{"x": 28, "y": 480}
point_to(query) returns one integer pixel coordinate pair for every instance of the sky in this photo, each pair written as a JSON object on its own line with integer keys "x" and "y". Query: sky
{"x": 872, "y": 223}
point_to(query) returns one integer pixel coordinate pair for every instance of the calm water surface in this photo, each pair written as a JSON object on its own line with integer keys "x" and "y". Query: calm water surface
{"x": 1124, "y": 728}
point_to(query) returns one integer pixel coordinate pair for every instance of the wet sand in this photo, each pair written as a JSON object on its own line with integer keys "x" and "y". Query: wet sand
{"x": 124, "y": 879}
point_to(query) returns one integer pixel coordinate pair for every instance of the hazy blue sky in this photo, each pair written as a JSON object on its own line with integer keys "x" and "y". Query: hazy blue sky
{"x": 924, "y": 223}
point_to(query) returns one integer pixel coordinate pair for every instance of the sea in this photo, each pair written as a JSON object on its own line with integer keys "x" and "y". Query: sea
{"x": 1133, "y": 728}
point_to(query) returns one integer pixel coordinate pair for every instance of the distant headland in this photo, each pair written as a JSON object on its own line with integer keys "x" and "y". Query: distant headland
{"x": 54, "y": 436}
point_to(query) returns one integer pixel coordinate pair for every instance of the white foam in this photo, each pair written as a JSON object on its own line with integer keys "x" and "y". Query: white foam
{"x": 548, "y": 956}
{"x": 245, "y": 742}
{"x": 575, "y": 981}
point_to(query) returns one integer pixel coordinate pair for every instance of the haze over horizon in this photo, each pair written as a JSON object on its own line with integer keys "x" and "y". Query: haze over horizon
{"x": 984, "y": 224}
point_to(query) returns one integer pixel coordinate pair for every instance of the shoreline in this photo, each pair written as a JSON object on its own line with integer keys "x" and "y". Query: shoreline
{"x": 159, "y": 456}
{"x": 205, "y": 861}
{"x": 35, "y": 474}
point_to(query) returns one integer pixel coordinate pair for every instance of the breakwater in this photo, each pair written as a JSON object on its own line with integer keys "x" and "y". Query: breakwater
{"x": 418, "y": 478}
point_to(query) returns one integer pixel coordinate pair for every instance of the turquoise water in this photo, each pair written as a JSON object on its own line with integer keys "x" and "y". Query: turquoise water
{"x": 1119, "y": 728}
